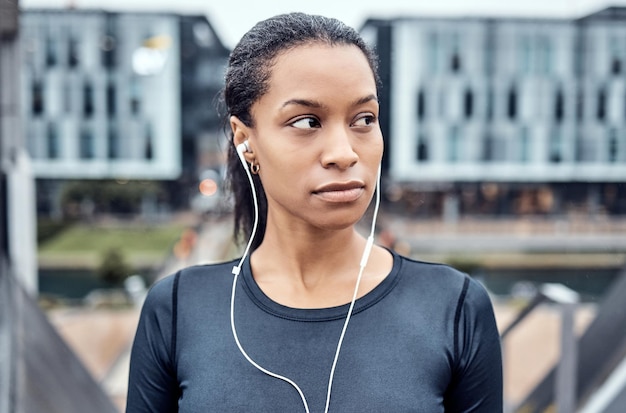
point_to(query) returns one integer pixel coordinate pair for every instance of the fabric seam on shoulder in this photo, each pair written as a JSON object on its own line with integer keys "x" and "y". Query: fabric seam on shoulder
{"x": 457, "y": 316}
{"x": 174, "y": 320}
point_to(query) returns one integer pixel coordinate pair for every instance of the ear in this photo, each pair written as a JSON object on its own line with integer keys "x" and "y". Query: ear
{"x": 241, "y": 133}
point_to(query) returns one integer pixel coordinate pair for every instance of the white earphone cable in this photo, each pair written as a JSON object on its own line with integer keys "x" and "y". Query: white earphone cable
{"x": 363, "y": 264}
{"x": 237, "y": 269}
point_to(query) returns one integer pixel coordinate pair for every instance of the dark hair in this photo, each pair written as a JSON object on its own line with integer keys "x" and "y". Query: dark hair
{"x": 247, "y": 80}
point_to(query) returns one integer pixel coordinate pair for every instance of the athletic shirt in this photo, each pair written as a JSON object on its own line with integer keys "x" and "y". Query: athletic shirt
{"x": 423, "y": 340}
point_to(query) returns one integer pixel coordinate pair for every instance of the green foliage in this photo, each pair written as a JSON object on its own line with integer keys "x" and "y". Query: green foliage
{"x": 49, "y": 228}
{"x": 142, "y": 244}
{"x": 465, "y": 264}
{"x": 113, "y": 267}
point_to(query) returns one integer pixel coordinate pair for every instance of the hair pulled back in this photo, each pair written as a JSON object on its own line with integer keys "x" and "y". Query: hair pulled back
{"x": 247, "y": 80}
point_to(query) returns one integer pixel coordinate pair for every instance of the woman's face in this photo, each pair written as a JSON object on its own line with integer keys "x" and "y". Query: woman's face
{"x": 317, "y": 138}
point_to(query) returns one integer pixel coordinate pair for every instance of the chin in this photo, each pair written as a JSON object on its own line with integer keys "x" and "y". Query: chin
{"x": 338, "y": 222}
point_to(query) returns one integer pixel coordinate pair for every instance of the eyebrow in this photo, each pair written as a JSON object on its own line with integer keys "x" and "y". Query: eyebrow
{"x": 304, "y": 102}
{"x": 317, "y": 105}
{"x": 365, "y": 100}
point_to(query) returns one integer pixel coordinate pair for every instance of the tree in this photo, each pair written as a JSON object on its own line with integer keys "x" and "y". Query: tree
{"x": 113, "y": 267}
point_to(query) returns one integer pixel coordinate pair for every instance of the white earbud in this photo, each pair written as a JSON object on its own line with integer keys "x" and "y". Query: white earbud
{"x": 243, "y": 147}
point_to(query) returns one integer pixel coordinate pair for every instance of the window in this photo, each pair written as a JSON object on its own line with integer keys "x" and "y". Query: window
{"x": 135, "y": 96}
{"x": 616, "y": 66}
{"x": 108, "y": 42}
{"x": 72, "y": 52}
{"x": 107, "y": 48}
{"x": 421, "y": 104}
{"x": 88, "y": 100}
{"x": 613, "y": 146}
{"x": 555, "y": 146}
{"x": 453, "y": 144}
{"x": 545, "y": 55}
{"x": 455, "y": 57}
{"x": 51, "y": 51}
{"x": 512, "y": 103}
{"x": 443, "y": 92}
{"x": 468, "y": 103}
{"x": 433, "y": 52}
{"x": 580, "y": 105}
{"x": 422, "y": 148}
{"x": 558, "y": 106}
{"x": 587, "y": 149}
{"x": 37, "y": 103}
{"x": 489, "y": 104}
{"x": 455, "y": 62}
{"x": 488, "y": 144}
{"x": 601, "y": 108}
{"x": 52, "y": 142}
{"x": 86, "y": 144}
{"x": 111, "y": 97}
{"x": 113, "y": 143}
{"x": 579, "y": 148}
{"x": 579, "y": 56}
{"x": 148, "y": 152}
{"x": 525, "y": 52}
{"x": 489, "y": 46}
{"x": 31, "y": 141}
{"x": 616, "y": 61}
{"x": 524, "y": 144}
{"x": 67, "y": 97}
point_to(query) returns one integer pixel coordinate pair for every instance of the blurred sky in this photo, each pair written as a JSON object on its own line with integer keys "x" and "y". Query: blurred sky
{"x": 232, "y": 18}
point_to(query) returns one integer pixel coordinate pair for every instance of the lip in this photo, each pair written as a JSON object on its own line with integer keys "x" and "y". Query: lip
{"x": 340, "y": 192}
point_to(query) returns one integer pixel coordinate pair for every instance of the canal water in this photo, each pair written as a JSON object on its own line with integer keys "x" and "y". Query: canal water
{"x": 72, "y": 285}
{"x": 590, "y": 283}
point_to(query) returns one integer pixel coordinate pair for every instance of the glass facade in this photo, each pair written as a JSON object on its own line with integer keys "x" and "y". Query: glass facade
{"x": 506, "y": 100}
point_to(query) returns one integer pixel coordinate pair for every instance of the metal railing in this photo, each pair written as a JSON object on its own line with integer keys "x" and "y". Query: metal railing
{"x": 567, "y": 300}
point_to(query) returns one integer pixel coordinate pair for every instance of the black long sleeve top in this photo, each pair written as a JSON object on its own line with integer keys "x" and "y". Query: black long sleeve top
{"x": 424, "y": 340}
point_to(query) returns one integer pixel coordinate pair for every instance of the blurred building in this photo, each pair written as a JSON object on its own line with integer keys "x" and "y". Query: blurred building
{"x": 17, "y": 211}
{"x": 203, "y": 64}
{"x": 107, "y": 95}
{"x": 505, "y": 115}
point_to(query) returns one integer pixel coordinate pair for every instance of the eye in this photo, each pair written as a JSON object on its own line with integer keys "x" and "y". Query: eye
{"x": 306, "y": 123}
{"x": 365, "y": 120}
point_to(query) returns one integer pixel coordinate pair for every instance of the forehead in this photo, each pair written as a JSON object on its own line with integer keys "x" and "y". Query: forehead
{"x": 317, "y": 66}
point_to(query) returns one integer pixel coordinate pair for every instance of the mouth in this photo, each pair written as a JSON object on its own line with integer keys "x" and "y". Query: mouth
{"x": 340, "y": 192}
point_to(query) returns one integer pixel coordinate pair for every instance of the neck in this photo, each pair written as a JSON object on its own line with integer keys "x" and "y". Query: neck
{"x": 305, "y": 266}
{"x": 308, "y": 255}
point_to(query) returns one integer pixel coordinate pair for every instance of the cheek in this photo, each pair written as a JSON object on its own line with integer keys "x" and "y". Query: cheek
{"x": 285, "y": 175}
{"x": 375, "y": 152}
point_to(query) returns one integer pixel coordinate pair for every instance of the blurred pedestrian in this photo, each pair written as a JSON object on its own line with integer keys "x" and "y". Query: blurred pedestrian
{"x": 313, "y": 317}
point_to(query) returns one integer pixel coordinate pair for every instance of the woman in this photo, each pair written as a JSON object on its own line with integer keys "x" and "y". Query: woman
{"x": 313, "y": 317}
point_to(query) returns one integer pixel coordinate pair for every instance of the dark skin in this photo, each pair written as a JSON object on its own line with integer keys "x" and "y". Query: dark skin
{"x": 318, "y": 143}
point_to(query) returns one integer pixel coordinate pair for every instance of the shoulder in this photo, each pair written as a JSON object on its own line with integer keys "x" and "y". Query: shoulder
{"x": 441, "y": 284}
{"x": 164, "y": 292}
{"x": 431, "y": 276}
{"x": 203, "y": 277}
{"x": 477, "y": 297}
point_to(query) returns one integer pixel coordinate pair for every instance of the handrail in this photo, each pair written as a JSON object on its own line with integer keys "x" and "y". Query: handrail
{"x": 565, "y": 382}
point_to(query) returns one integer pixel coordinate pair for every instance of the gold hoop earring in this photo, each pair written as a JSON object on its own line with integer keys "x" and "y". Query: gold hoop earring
{"x": 255, "y": 168}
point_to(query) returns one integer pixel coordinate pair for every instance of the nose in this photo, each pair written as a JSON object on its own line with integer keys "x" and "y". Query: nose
{"x": 338, "y": 151}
